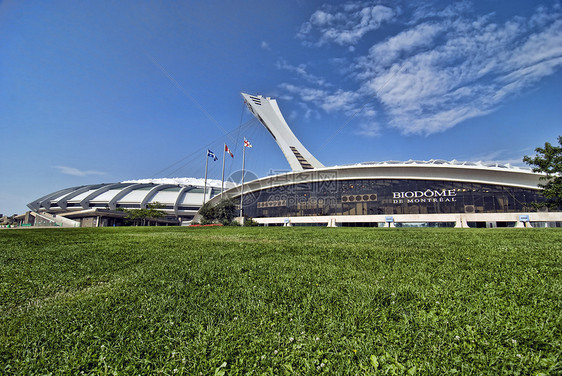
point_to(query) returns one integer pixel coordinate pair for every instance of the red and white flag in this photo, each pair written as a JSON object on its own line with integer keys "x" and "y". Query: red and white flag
{"x": 247, "y": 143}
{"x": 226, "y": 149}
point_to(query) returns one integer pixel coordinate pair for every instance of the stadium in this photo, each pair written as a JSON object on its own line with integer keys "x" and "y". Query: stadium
{"x": 98, "y": 205}
{"x": 392, "y": 193}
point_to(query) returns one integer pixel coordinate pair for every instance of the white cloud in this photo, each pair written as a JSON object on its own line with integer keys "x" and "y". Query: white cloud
{"x": 414, "y": 122}
{"x": 443, "y": 67}
{"x": 544, "y": 15}
{"x": 348, "y": 102}
{"x": 502, "y": 156}
{"x": 347, "y": 25}
{"x": 265, "y": 45}
{"x": 387, "y": 52}
{"x": 301, "y": 71}
{"x": 368, "y": 130}
{"x": 338, "y": 100}
{"x": 309, "y": 113}
{"x": 469, "y": 73}
{"x": 539, "y": 52}
{"x": 321, "y": 18}
{"x": 426, "y": 10}
{"x": 77, "y": 172}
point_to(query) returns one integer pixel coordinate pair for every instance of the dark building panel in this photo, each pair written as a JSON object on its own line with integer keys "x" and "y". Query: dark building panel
{"x": 388, "y": 196}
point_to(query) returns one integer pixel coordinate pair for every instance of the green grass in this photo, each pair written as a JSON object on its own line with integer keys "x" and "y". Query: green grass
{"x": 214, "y": 301}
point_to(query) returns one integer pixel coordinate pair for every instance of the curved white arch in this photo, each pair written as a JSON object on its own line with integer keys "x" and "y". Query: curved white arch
{"x": 132, "y": 186}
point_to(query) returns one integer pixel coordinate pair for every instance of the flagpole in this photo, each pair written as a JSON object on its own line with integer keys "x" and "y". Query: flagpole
{"x": 223, "y": 156}
{"x": 206, "y": 165}
{"x": 242, "y": 186}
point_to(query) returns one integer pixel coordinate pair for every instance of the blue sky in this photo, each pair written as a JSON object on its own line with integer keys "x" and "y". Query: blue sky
{"x": 95, "y": 92}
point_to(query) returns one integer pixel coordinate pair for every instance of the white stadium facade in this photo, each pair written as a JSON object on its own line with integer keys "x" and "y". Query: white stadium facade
{"x": 391, "y": 194}
{"x": 97, "y": 205}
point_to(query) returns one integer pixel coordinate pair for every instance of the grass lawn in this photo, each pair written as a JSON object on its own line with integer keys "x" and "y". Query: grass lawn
{"x": 228, "y": 301}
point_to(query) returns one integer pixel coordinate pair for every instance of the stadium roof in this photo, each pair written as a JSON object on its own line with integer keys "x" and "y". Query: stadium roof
{"x": 442, "y": 162}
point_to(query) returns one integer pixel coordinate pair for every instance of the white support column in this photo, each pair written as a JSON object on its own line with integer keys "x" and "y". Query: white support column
{"x": 458, "y": 222}
{"x": 461, "y": 222}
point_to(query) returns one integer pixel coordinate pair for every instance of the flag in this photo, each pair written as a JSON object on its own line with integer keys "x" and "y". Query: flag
{"x": 226, "y": 149}
{"x": 212, "y": 155}
{"x": 247, "y": 143}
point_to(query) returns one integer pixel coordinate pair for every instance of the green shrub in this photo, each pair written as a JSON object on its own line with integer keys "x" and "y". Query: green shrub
{"x": 249, "y": 222}
{"x": 223, "y": 212}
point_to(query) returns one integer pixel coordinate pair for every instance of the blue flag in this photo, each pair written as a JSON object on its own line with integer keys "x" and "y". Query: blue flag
{"x": 212, "y": 155}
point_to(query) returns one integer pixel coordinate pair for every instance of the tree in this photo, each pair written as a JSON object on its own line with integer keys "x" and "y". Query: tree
{"x": 152, "y": 210}
{"x": 140, "y": 216}
{"x": 549, "y": 161}
{"x": 223, "y": 212}
{"x": 207, "y": 213}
